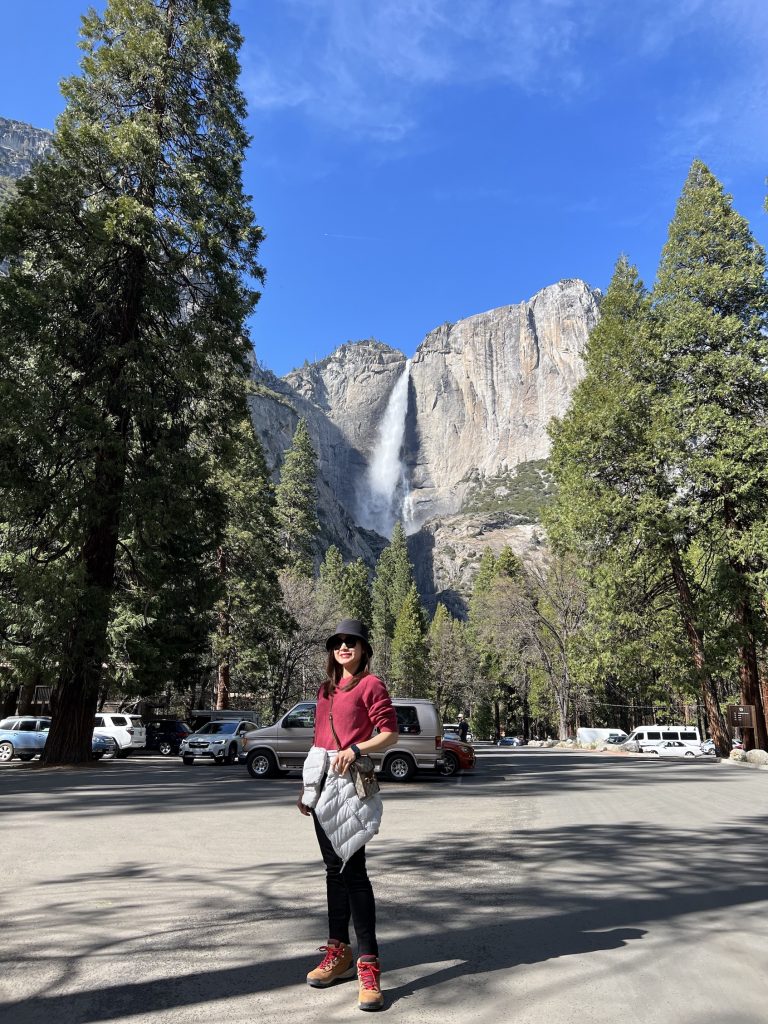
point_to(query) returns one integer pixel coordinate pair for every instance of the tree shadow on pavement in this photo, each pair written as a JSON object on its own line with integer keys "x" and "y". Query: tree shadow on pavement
{"x": 478, "y": 903}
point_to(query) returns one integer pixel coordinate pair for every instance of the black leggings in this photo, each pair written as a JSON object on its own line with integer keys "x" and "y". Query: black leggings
{"x": 349, "y": 894}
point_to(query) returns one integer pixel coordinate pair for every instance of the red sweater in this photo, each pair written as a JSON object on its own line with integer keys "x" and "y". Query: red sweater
{"x": 356, "y": 713}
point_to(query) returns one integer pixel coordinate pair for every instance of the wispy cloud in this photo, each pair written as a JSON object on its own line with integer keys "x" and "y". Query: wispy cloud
{"x": 358, "y": 65}
{"x": 361, "y": 67}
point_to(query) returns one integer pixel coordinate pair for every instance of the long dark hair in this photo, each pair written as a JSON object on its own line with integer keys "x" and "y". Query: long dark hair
{"x": 334, "y": 671}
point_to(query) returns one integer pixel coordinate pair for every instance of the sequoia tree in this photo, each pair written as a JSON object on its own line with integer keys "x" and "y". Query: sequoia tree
{"x": 122, "y": 311}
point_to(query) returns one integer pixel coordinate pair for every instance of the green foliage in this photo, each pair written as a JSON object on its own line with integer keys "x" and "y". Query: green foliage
{"x": 409, "y": 671}
{"x": 392, "y": 583}
{"x": 356, "y": 592}
{"x": 297, "y": 502}
{"x": 451, "y": 663}
{"x": 661, "y": 459}
{"x": 524, "y": 491}
{"x": 123, "y": 353}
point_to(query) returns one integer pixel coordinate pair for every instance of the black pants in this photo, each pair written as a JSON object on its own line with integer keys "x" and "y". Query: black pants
{"x": 349, "y": 894}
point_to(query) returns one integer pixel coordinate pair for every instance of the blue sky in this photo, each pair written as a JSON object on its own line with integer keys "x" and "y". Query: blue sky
{"x": 417, "y": 161}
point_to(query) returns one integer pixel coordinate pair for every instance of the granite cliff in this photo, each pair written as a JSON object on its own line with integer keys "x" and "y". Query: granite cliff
{"x": 20, "y": 146}
{"x": 480, "y": 394}
{"x": 453, "y": 441}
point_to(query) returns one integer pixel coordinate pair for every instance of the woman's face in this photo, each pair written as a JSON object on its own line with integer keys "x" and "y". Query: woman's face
{"x": 348, "y": 652}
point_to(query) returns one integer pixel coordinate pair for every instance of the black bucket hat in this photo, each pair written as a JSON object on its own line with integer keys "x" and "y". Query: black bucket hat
{"x": 350, "y": 627}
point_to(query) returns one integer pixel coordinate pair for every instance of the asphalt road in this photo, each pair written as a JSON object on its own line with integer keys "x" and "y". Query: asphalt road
{"x": 546, "y": 887}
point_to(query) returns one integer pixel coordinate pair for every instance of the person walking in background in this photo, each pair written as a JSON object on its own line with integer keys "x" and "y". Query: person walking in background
{"x": 463, "y": 729}
{"x": 351, "y": 704}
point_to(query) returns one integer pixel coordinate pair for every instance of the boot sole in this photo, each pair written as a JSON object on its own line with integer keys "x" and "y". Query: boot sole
{"x": 346, "y": 976}
{"x": 371, "y": 1007}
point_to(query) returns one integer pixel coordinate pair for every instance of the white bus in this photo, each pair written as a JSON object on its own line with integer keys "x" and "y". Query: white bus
{"x": 647, "y": 736}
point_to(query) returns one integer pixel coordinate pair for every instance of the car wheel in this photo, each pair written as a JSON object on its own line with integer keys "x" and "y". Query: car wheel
{"x": 97, "y": 756}
{"x": 261, "y": 764}
{"x": 121, "y": 752}
{"x": 232, "y": 754}
{"x": 187, "y": 759}
{"x": 689, "y": 753}
{"x": 165, "y": 748}
{"x": 399, "y": 767}
{"x": 25, "y": 757}
{"x": 450, "y": 764}
{"x": 6, "y": 752}
{"x": 111, "y": 755}
{"x": 656, "y": 753}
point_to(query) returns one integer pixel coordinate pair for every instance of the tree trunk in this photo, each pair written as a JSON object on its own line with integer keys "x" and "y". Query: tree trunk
{"x": 74, "y": 700}
{"x": 496, "y": 721}
{"x": 526, "y": 710}
{"x": 9, "y": 697}
{"x": 26, "y": 693}
{"x": 751, "y": 691}
{"x": 222, "y": 682}
{"x": 696, "y": 642}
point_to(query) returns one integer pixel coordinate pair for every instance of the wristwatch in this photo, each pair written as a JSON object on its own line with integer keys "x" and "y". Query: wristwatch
{"x": 355, "y": 750}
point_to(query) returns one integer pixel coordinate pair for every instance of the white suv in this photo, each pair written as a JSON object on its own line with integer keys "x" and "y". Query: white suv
{"x": 126, "y": 730}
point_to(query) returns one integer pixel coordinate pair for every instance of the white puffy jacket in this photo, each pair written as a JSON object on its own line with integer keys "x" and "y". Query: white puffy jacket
{"x": 348, "y": 821}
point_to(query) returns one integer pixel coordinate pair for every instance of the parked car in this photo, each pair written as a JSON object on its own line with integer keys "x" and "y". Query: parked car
{"x": 126, "y": 730}
{"x": 708, "y": 746}
{"x": 451, "y": 729}
{"x": 511, "y": 741}
{"x": 676, "y": 748}
{"x": 457, "y": 756}
{"x": 166, "y": 734}
{"x": 223, "y": 741}
{"x": 284, "y": 745}
{"x": 24, "y": 736}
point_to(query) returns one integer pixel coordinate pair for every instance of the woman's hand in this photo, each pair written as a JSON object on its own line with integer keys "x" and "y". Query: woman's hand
{"x": 342, "y": 761}
{"x": 302, "y": 806}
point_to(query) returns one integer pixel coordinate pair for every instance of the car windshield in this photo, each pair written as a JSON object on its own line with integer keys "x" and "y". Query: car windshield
{"x": 219, "y": 727}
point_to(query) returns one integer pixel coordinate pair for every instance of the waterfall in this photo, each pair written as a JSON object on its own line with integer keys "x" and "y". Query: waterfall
{"x": 385, "y": 480}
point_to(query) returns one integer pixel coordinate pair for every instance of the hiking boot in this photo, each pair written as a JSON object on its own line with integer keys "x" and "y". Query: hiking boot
{"x": 335, "y": 965}
{"x": 368, "y": 975}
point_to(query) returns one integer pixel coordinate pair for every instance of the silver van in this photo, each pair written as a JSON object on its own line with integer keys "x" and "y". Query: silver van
{"x": 282, "y": 747}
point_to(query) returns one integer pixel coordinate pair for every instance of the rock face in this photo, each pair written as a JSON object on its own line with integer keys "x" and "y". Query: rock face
{"x": 485, "y": 388}
{"x": 481, "y": 393}
{"x": 20, "y": 146}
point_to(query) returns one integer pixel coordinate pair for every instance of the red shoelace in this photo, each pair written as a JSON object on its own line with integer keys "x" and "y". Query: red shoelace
{"x": 369, "y": 974}
{"x": 332, "y": 954}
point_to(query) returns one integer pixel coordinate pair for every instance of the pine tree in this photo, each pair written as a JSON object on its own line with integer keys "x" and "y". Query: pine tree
{"x": 410, "y": 666}
{"x": 297, "y": 502}
{"x": 451, "y": 666}
{"x": 356, "y": 591}
{"x": 710, "y": 332}
{"x": 332, "y": 575}
{"x": 392, "y": 581}
{"x": 247, "y": 562}
{"x": 616, "y": 489}
{"x": 121, "y": 313}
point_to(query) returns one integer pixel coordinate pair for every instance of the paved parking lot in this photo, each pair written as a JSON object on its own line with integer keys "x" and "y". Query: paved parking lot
{"x": 547, "y": 886}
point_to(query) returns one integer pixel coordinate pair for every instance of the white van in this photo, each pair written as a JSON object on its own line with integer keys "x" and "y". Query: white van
{"x": 647, "y": 736}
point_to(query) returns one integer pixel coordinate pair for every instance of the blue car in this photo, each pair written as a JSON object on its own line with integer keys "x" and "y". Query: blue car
{"x": 24, "y": 736}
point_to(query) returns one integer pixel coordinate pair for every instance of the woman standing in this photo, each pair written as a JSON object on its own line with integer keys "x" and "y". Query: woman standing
{"x": 351, "y": 704}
